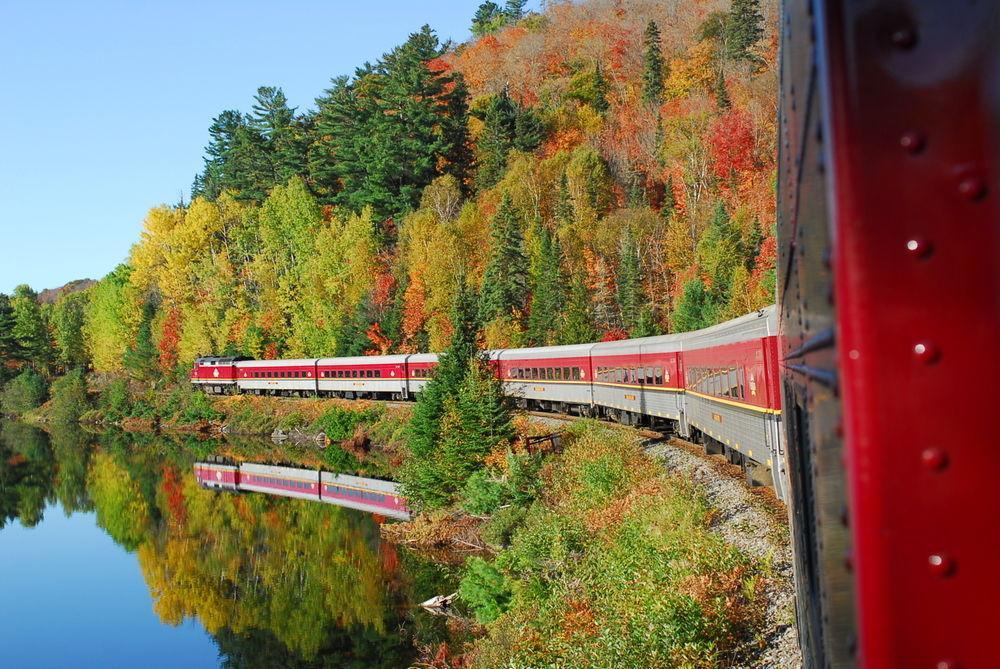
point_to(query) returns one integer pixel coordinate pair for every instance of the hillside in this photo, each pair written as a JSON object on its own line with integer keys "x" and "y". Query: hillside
{"x": 601, "y": 169}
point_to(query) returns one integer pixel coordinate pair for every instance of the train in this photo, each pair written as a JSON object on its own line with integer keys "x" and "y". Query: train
{"x": 718, "y": 386}
{"x": 888, "y": 257}
{"x": 353, "y": 492}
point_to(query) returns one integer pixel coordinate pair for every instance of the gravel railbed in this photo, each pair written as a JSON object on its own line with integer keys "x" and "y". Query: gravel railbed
{"x": 751, "y": 520}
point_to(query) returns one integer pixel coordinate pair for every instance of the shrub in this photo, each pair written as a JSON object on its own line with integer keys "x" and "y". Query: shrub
{"x": 197, "y": 408}
{"x": 25, "y": 392}
{"x": 115, "y": 401}
{"x": 69, "y": 398}
{"x": 485, "y": 589}
{"x": 484, "y": 493}
{"x": 339, "y": 424}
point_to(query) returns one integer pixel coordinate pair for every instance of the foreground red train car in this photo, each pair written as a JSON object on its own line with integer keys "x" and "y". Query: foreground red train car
{"x": 890, "y": 314}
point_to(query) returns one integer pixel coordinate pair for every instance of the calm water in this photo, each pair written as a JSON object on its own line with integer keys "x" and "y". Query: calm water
{"x": 112, "y": 556}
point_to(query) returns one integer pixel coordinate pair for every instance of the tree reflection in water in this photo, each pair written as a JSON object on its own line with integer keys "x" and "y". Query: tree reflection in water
{"x": 277, "y": 582}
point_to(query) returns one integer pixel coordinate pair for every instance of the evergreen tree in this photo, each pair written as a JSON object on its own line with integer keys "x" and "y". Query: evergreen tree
{"x": 504, "y": 281}
{"x": 744, "y": 28}
{"x": 507, "y": 126}
{"x": 578, "y": 322}
{"x": 514, "y": 10}
{"x": 669, "y": 199}
{"x": 528, "y": 130}
{"x": 629, "y": 282}
{"x": 31, "y": 330}
{"x": 547, "y": 290}
{"x": 719, "y": 252}
{"x": 141, "y": 357}
{"x": 386, "y": 134}
{"x": 601, "y": 89}
{"x": 646, "y": 325}
{"x": 652, "y": 72}
{"x": 424, "y": 481}
{"x": 590, "y": 87}
{"x": 352, "y": 339}
{"x": 695, "y": 309}
{"x": 10, "y": 348}
{"x": 488, "y": 18}
{"x": 722, "y": 100}
{"x": 497, "y": 138}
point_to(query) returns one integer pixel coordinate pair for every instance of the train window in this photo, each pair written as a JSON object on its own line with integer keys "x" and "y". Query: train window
{"x": 534, "y": 372}
{"x": 548, "y": 373}
{"x": 354, "y": 373}
{"x": 378, "y": 373}
{"x": 576, "y": 373}
{"x": 658, "y": 376}
{"x": 368, "y": 373}
{"x": 567, "y": 374}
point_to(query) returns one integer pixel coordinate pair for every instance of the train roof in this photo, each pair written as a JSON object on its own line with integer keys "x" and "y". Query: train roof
{"x": 539, "y": 352}
{"x": 365, "y": 360}
{"x": 761, "y": 323}
{"x": 278, "y": 363}
{"x": 217, "y": 360}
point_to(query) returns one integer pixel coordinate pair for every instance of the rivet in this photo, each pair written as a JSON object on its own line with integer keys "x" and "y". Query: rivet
{"x": 904, "y": 37}
{"x": 941, "y": 565}
{"x": 972, "y": 188}
{"x": 854, "y": 354}
{"x": 912, "y": 142}
{"x": 947, "y": 664}
{"x": 919, "y": 248}
{"x": 925, "y": 352}
{"x": 934, "y": 459}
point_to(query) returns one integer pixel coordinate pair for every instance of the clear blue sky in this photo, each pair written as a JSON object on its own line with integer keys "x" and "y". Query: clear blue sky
{"x": 105, "y": 106}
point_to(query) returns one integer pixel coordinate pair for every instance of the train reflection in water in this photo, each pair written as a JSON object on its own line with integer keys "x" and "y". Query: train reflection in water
{"x": 352, "y": 492}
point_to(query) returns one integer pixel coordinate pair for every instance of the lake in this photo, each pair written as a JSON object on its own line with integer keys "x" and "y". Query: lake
{"x": 112, "y": 555}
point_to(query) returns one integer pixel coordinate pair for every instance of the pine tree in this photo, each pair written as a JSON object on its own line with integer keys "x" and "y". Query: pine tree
{"x": 629, "y": 282}
{"x": 31, "y": 331}
{"x": 497, "y": 139}
{"x": 547, "y": 290}
{"x": 514, "y": 10}
{"x": 488, "y": 18}
{"x": 528, "y": 130}
{"x": 646, "y": 325}
{"x": 505, "y": 280}
{"x": 424, "y": 481}
{"x": 744, "y": 28}
{"x": 669, "y": 199}
{"x": 722, "y": 100}
{"x": 601, "y": 89}
{"x": 695, "y": 309}
{"x": 10, "y": 348}
{"x": 578, "y": 321}
{"x": 141, "y": 357}
{"x": 719, "y": 252}
{"x": 652, "y": 72}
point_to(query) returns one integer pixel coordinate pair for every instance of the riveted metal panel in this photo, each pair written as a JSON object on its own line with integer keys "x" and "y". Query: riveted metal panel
{"x": 907, "y": 96}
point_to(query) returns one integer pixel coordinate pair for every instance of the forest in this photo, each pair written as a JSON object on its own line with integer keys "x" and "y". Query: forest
{"x": 596, "y": 170}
